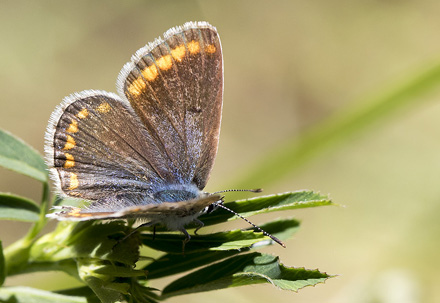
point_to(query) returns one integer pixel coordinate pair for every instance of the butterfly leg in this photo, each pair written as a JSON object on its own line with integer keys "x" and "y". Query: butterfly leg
{"x": 200, "y": 225}
{"x": 135, "y": 230}
{"x": 186, "y": 240}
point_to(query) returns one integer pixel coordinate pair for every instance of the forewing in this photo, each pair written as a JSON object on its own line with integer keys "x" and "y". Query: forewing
{"x": 97, "y": 148}
{"x": 175, "y": 86}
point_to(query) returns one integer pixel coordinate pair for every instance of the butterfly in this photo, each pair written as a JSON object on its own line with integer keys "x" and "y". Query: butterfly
{"x": 146, "y": 152}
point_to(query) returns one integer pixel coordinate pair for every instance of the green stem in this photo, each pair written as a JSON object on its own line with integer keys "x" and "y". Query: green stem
{"x": 38, "y": 226}
{"x": 17, "y": 254}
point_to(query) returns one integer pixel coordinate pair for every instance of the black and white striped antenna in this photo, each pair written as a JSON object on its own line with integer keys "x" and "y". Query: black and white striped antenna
{"x": 240, "y": 216}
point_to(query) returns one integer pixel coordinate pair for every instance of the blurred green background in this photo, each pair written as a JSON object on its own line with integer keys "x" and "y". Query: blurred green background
{"x": 289, "y": 65}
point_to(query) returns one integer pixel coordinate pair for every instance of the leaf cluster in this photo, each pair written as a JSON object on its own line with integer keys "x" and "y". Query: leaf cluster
{"x": 113, "y": 268}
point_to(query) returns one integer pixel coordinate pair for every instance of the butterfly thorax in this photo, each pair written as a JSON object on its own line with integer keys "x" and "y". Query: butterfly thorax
{"x": 177, "y": 192}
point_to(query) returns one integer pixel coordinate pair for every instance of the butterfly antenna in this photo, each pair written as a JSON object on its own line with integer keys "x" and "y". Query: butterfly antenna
{"x": 255, "y": 226}
{"x": 257, "y": 190}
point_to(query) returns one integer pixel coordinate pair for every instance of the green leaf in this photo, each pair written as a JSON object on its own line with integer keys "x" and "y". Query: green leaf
{"x": 21, "y": 158}
{"x": 2, "y": 265}
{"x": 171, "y": 264}
{"x": 172, "y": 242}
{"x": 112, "y": 282}
{"x": 31, "y": 295}
{"x": 253, "y": 268}
{"x": 266, "y": 204}
{"x": 283, "y": 229}
{"x": 18, "y": 208}
{"x": 101, "y": 284}
{"x": 221, "y": 241}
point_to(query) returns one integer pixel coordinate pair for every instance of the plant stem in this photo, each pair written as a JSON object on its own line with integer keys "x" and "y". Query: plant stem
{"x": 17, "y": 254}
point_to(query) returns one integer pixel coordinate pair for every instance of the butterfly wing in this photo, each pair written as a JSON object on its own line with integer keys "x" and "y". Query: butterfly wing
{"x": 97, "y": 147}
{"x": 163, "y": 129}
{"x": 155, "y": 213}
{"x": 175, "y": 86}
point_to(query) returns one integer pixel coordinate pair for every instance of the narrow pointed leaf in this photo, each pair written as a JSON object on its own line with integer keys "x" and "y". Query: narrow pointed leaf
{"x": 229, "y": 240}
{"x": 18, "y": 208}
{"x": 171, "y": 264}
{"x": 2, "y": 265}
{"x": 253, "y": 268}
{"x": 266, "y": 204}
{"x": 32, "y": 295}
{"x": 21, "y": 158}
{"x": 172, "y": 242}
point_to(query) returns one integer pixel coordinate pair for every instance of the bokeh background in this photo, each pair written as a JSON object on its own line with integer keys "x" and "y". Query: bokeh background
{"x": 289, "y": 65}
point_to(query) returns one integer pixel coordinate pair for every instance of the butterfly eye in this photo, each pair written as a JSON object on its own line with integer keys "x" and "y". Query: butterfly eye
{"x": 209, "y": 209}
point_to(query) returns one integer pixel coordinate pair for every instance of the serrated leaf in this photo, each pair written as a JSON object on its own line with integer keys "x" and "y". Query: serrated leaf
{"x": 221, "y": 241}
{"x": 253, "y": 268}
{"x": 32, "y": 295}
{"x": 2, "y": 265}
{"x": 18, "y": 208}
{"x": 266, "y": 204}
{"x": 17, "y": 156}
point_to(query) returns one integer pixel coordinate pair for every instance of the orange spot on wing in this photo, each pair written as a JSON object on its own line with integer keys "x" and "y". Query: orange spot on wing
{"x": 70, "y": 161}
{"x": 73, "y": 182}
{"x": 210, "y": 49}
{"x": 74, "y": 212}
{"x": 73, "y": 127}
{"x": 70, "y": 143}
{"x": 150, "y": 73}
{"x": 178, "y": 53}
{"x": 137, "y": 86}
{"x": 165, "y": 62}
{"x": 193, "y": 47}
{"x": 79, "y": 214}
{"x": 83, "y": 113}
{"x": 103, "y": 108}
